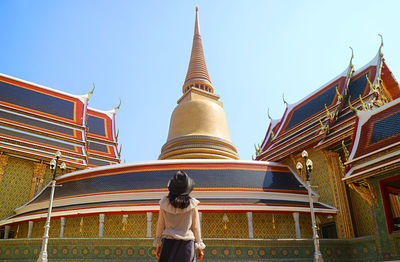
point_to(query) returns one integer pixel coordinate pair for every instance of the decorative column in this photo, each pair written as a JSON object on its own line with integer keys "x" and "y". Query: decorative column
{"x": 30, "y": 228}
{"x": 39, "y": 169}
{"x": 6, "y": 232}
{"x": 3, "y": 164}
{"x": 62, "y": 227}
{"x": 149, "y": 220}
{"x": 101, "y": 225}
{"x": 250, "y": 224}
{"x": 297, "y": 224}
{"x": 344, "y": 222}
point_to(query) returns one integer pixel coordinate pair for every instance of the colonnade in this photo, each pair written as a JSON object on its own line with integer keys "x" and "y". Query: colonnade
{"x": 149, "y": 216}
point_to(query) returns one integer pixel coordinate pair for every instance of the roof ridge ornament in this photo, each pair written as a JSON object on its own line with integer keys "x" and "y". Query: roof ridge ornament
{"x": 380, "y": 47}
{"x": 352, "y": 108}
{"x": 284, "y": 101}
{"x": 269, "y": 116}
{"x": 118, "y": 106}
{"x": 351, "y": 58}
{"x": 91, "y": 92}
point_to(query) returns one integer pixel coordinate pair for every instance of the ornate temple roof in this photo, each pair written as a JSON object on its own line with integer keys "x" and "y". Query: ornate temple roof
{"x": 102, "y": 138}
{"x": 37, "y": 121}
{"x": 376, "y": 145}
{"x": 220, "y": 185}
{"x": 326, "y": 117}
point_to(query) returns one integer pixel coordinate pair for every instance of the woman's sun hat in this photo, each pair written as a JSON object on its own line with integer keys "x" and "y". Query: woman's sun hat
{"x": 180, "y": 184}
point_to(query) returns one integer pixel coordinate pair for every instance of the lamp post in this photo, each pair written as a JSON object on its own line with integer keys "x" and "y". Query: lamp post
{"x": 309, "y": 166}
{"x": 53, "y": 166}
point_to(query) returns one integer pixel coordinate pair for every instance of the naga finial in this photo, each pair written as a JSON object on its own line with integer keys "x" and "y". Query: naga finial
{"x": 117, "y": 107}
{"x": 372, "y": 87}
{"x": 119, "y": 151}
{"x": 339, "y": 96}
{"x": 91, "y": 92}
{"x": 380, "y": 47}
{"x": 323, "y": 128}
{"x": 364, "y": 105}
{"x": 352, "y": 108}
{"x": 328, "y": 114}
{"x": 257, "y": 149}
{"x": 284, "y": 101}
{"x": 269, "y": 116}
{"x": 352, "y": 56}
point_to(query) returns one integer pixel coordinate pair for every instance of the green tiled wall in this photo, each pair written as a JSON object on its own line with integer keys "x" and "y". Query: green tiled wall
{"x": 125, "y": 249}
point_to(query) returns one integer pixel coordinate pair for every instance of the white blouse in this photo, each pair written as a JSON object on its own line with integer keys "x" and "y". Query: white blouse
{"x": 178, "y": 223}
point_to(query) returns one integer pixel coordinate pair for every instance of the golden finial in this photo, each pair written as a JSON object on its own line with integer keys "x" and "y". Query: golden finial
{"x": 323, "y": 128}
{"x": 257, "y": 149}
{"x": 339, "y": 96}
{"x": 352, "y": 108}
{"x": 269, "y": 116}
{"x": 328, "y": 114}
{"x": 119, "y": 151}
{"x": 91, "y": 92}
{"x": 380, "y": 47}
{"x": 116, "y": 108}
{"x": 364, "y": 105}
{"x": 372, "y": 87}
{"x": 197, "y": 8}
{"x": 352, "y": 56}
{"x": 283, "y": 98}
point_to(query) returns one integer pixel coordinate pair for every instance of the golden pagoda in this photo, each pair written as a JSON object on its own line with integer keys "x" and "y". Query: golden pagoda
{"x": 198, "y": 127}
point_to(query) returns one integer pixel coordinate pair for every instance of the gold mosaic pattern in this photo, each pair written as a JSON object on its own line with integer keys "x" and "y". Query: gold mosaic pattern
{"x": 55, "y": 224}
{"x": 363, "y": 215}
{"x": 305, "y": 225}
{"x": 135, "y": 225}
{"x": 213, "y": 225}
{"x": 89, "y": 228}
{"x": 154, "y": 224}
{"x": 15, "y": 185}
{"x": 22, "y": 230}
{"x": 320, "y": 177}
{"x": 263, "y": 225}
{"x": 39, "y": 170}
{"x": 38, "y": 228}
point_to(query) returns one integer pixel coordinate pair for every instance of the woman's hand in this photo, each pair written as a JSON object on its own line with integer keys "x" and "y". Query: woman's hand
{"x": 200, "y": 254}
{"x": 158, "y": 252}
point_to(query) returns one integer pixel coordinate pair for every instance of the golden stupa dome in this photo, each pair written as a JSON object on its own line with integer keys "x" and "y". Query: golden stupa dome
{"x": 198, "y": 127}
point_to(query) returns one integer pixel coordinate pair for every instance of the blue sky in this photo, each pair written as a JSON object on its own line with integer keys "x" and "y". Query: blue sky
{"x": 139, "y": 51}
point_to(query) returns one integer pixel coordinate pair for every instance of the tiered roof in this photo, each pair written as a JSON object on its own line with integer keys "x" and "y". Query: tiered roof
{"x": 326, "y": 117}
{"x": 102, "y": 138}
{"x": 37, "y": 121}
{"x": 376, "y": 146}
{"x": 220, "y": 185}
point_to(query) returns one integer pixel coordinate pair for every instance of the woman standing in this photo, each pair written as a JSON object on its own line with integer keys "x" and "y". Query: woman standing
{"x": 178, "y": 227}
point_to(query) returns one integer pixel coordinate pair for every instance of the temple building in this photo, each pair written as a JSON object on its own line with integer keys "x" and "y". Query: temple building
{"x": 104, "y": 210}
{"x": 350, "y": 128}
{"x": 35, "y": 122}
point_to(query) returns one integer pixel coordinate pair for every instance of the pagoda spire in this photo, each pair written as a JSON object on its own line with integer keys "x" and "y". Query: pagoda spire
{"x": 197, "y": 74}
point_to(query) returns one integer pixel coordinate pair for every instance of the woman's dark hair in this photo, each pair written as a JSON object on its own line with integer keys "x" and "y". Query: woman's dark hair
{"x": 180, "y": 186}
{"x": 180, "y": 201}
